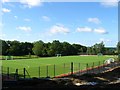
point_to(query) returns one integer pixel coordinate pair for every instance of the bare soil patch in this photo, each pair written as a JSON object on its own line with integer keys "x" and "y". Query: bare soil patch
{"x": 108, "y": 79}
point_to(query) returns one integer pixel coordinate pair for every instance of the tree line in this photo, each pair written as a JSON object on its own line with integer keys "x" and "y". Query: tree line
{"x": 40, "y": 48}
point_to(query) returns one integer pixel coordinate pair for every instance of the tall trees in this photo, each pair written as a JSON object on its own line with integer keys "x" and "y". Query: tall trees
{"x": 97, "y": 48}
{"x": 101, "y": 48}
{"x": 66, "y": 48}
{"x": 14, "y": 48}
{"x": 77, "y": 48}
{"x": 38, "y": 48}
{"x": 56, "y": 47}
{"x": 89, "y": 50}
{"x": 4, "y": 47}
{"x": 26, "y": 48}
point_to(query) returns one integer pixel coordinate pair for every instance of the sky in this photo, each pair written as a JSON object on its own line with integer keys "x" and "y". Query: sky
{"x": 84, "y": 23}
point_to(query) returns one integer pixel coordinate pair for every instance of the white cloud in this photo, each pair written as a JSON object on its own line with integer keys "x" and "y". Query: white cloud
{"x": 5, "y": 10}
{"x": 94, "y": 20}
{"x": 16, "y": 17}
{"x": 109, "y": 3}
{"x": 84, "y": 29}
{"x": 27, "y": 20}
{"x": 105, "y": 40}
{"x": 31, "y": 3}
{"x": 100, "y": 31}
{"x": 45, "y": 18}
{"x": 3, "y": 1}
{"x": 24, "y": 28}
{"x": 59, "y": 29}
{"x": 88, "y": 29}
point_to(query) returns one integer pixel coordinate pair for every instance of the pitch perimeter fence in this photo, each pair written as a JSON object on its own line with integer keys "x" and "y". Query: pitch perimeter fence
{"x": 57, "y": 70}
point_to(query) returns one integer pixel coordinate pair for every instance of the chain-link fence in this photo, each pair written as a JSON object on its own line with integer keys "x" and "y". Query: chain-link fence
{"x": 57, "y": 70}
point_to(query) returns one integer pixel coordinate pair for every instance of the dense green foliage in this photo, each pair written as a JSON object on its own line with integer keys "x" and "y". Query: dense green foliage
{"x": 16, "y": 48}
{"x": 118, "y": 47}
{"x": 40, "y": 48}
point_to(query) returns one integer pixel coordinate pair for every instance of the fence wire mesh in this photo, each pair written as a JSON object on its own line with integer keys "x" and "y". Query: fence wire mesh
{"x": 58, "y": 69}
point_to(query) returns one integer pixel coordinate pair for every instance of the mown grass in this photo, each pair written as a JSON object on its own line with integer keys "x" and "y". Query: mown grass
{"x": 60, "y": 65}
{"x": 18, "y": 57}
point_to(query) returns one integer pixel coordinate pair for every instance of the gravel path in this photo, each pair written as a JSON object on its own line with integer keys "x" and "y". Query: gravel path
{"x": 99, "y": 69}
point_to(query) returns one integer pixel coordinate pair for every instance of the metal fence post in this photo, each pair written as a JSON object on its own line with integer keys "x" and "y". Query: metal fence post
{"x": 79, "y": 68}
{"x": 1, "y": 69}
{"x": 39, "y": 71}
{"x": 87, "y": 67}
{"x": 54, "y": 70}
{"x": 47, "y": 70}
{"x": 24, "y": 73}
{"x": 71, "y": 68}
{"x": 64, "y": 67}
{"x": 16, "y": 74}
{"x": 99, "y": 67}
{"x": 93, "y": 67}
{"x": 99, "y": 63}
{"x": 103, "y": 65}
{"x": 8, "y": 72}
{"x": 103, "y": 62}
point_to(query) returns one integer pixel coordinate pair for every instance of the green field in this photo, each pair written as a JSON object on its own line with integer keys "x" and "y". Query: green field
{"x": 60, "y": 65}
{"x": 18, "y": 57}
